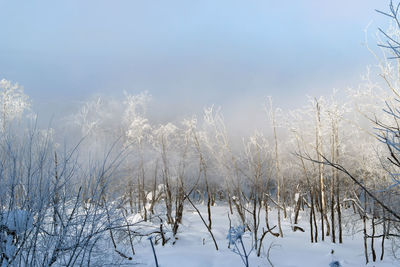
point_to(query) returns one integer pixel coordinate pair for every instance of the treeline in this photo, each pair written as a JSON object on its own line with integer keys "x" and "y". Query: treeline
{"x": 60, "y": 201}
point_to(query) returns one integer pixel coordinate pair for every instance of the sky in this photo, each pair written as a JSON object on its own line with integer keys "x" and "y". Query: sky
{"x": 186, "y": 54}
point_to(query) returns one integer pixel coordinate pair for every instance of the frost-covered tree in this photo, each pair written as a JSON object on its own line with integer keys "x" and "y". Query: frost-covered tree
{"x": 13, "y": 102}
{"x": 138, "y": 136}
{"x": 138, "y": 126}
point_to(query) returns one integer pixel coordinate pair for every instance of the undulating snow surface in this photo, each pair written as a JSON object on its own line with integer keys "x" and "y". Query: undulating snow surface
{"x": 194, "y": 247}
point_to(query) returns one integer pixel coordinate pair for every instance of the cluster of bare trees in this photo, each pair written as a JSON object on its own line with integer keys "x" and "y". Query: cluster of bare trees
{"x": 56, "y": 208}
{"x": 287, "y": 170}
{"x": 334, "y": 161}
{"x": 58, "y": 204}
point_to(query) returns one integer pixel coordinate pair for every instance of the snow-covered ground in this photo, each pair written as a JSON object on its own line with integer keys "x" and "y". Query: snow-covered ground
{"x": 194, "y": 247}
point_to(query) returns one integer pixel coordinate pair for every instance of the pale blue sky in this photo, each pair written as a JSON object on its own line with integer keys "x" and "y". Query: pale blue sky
{"x": 187, "y": 54}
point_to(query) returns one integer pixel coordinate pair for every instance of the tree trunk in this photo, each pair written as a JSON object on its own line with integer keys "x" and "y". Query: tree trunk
{"x": 318, "y": 147}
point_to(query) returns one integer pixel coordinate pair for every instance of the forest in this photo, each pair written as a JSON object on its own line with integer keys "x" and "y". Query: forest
{"x": 109, "y": 186}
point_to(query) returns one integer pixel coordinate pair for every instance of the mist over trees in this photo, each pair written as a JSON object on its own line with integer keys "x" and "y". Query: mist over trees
{"x": 334, "y": 161}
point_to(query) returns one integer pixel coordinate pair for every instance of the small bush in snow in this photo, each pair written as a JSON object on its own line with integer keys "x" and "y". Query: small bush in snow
{"x": 334, "y": 264}
{"x": 235, "y": 237}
